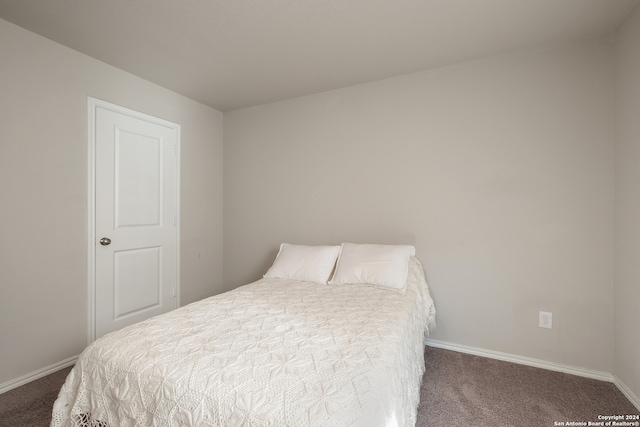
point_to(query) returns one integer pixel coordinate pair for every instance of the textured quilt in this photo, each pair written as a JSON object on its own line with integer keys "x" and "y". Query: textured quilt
{"x": 272, "y": 353}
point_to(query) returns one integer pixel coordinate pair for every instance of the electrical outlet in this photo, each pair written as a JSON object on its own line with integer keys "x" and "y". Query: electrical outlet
{"x": 545, "y": 320}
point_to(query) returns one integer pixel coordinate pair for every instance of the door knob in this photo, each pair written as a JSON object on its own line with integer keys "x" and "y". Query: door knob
{"x": 105, "y": 241}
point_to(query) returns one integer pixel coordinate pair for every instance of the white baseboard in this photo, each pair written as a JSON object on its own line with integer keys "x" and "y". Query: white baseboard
{"x": 10, "y": 385}
{"x": 538, "y": 363}
{"x": 522, "y": 360}
{"x": 627, "y": 392}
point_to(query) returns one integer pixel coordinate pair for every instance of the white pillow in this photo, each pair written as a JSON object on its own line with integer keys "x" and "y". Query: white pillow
{"x": 380, "y": 265}
{"x": 305, "y": 263}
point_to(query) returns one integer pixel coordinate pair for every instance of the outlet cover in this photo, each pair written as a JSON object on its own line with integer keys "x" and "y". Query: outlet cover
{"x": 545, "y": 320}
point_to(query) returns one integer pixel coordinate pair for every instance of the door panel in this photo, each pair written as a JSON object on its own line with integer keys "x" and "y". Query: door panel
{"x": 138, "y": 177}
{"x": 137, "y": 283}
{"x": 136, "y": 208}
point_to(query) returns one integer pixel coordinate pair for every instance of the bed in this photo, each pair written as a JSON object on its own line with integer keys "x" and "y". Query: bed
{"x": 276, "y": 352}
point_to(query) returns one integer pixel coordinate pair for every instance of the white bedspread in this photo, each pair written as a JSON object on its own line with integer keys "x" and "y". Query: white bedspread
{"x": 272, "y": 353}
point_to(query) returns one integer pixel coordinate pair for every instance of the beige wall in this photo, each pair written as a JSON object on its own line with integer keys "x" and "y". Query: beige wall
{"x": 43, "y": 192}
{"x": 499, "y": 171}
{"x": 627, "y": 203}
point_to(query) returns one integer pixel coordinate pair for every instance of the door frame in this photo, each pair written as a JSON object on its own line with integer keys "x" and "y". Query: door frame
{"x": 92, "y": 105}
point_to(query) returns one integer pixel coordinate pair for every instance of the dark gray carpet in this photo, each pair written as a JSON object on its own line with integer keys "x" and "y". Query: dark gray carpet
{"x": 464, "y": 390}
{"x": 31, "y": 404}
{"x": 458, "y": 390}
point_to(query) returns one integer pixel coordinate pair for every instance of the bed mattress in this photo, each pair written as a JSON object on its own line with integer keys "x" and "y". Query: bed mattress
{"x": 272, "y": 353}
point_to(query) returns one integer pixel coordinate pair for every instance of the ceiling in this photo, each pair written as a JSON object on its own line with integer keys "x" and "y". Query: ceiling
{"x": 231, "y": 54}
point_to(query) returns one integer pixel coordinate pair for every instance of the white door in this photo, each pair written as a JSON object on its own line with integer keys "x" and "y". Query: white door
{"x": 136, "y": 216}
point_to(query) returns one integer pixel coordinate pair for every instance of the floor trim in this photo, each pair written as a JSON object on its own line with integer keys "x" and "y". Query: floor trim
{"x": 627, "y": 392}
{"x": 10, "y": 385}
{"x": 538, "y": 363}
